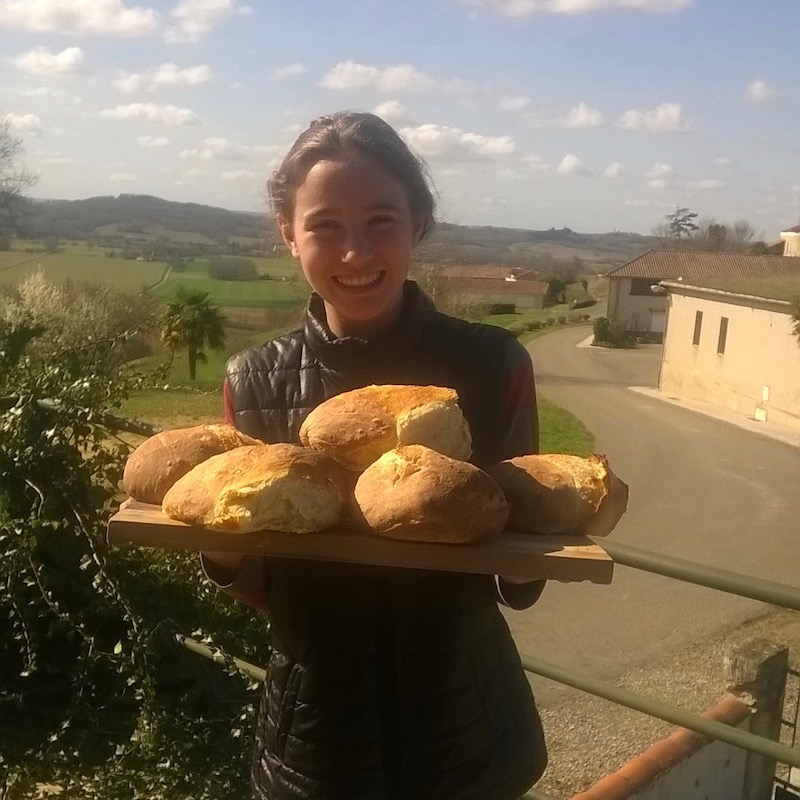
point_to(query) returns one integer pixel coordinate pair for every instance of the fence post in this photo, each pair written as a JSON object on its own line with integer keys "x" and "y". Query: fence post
{"x": 755, "y": 671}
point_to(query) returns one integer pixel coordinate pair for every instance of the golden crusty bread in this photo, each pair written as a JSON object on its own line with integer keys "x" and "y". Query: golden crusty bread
{"x": 282, "y": 487}
{"x": 154, "y": 466}
{"x": 357, "y": 427}
{"x": 415, "y": 493}
{"x": 557, "y": 493}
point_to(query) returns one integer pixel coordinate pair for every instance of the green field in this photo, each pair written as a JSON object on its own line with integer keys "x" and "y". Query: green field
{"x": 80, "y": 267}
{"x": 290, "y": 291}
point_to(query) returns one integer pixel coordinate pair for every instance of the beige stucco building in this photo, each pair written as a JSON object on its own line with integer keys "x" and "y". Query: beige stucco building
{"x": 791, "y": 241}
{"x": 735, "y": 351}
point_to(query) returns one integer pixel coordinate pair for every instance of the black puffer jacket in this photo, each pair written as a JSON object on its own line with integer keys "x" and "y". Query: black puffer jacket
{"x": 390, "y": 683}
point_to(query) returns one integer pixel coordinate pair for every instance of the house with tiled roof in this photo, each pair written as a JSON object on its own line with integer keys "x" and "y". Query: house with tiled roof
{"x": 637, "y": 302}
{"x": 496, "y": 284}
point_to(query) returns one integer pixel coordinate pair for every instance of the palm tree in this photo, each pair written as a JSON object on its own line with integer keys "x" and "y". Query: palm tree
{"x": 191, "y": 321}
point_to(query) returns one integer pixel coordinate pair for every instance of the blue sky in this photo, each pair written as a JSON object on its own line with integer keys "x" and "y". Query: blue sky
{"x": 597, "y": 115}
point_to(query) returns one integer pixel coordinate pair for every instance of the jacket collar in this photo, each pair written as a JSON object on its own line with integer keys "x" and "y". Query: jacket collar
{"x": 358, "y": 354}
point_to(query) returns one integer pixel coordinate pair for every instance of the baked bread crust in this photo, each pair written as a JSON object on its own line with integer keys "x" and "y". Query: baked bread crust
{"x": 357, "y": 427}
{"x": 158, "y": 462}
{"x": 282, "y": 487}
{"x": 558, "y": 493}
{"x": 415, "y": 493}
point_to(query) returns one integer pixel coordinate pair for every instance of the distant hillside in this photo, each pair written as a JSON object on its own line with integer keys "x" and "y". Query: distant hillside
{"x": 133, "y": 217}
{"x": 135, "y": 214}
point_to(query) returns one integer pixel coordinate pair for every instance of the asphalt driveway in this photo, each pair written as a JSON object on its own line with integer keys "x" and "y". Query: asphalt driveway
{"x": 700, "y": 489}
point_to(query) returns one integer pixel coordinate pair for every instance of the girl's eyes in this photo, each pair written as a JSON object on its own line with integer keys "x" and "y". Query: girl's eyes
{"x": 382, "y": 221}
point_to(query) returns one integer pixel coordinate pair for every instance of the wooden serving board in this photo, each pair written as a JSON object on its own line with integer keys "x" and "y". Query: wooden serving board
{"x": 560, "y": 558}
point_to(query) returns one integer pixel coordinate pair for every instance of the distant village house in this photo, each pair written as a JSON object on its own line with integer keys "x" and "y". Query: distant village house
{"x": 496, "y": 284}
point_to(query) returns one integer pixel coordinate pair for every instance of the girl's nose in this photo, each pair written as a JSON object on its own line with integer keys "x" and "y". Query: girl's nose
{"x": 357, "y": 247}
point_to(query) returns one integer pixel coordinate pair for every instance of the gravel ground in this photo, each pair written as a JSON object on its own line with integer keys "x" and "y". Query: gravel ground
{"x": 589, "y": 737}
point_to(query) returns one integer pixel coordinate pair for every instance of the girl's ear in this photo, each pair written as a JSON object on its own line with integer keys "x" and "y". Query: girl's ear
{"x": 287, "y": 233}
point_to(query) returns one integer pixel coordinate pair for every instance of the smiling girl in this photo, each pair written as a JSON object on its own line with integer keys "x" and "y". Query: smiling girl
{"x": 383, "y": 683}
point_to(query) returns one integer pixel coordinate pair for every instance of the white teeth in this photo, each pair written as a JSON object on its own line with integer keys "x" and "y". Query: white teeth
{"x": 359, "y": 279}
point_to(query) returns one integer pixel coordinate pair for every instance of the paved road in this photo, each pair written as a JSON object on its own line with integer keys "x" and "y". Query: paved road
{"x": 700, "y": 489}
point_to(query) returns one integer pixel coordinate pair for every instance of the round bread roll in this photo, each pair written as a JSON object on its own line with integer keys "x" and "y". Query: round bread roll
{"x": 557, "y": 493}
{"x": 415, "y": 493}
{"x": 281, "y": 487}
{"x": 357, "y": 427}
{"x": 154, "y": 466}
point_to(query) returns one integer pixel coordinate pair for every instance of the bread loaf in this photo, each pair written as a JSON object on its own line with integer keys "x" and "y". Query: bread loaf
{"x": 357, "y": 427}
{"x": 415, "y": 493}
{"x": 281, "y": 487}
{"x": 154, "y": 466}
{"x": 556, "y": 493}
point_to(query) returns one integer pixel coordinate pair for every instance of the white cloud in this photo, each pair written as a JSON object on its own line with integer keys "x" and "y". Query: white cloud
{"x": 514, "y": 102}
{"x": 160, "y": 115}
{"x": 659, "y": 170}
{"x": 240, "y": 175}
{"x": 760, "y": 93}
{"x": 665, "y": 118}
{"x": 41, "y": 91}
{"x": 659, "y": 176}
{"x": 527, "y": 8}
{"x": 393, "y": 112}
{"x": 195, "y": 19}
{"x": 196, "y": 172}
{"x": 453, "y": 144}
{"x": 512, "y": 175}
{"x": 125, "y": 177}
{"x": 705, "y": 184}
{"x": 350, "y": 75}
{"x": 56, "y": 161}
{"x": 572, "y": 165}
{"x": 23, "y": 125}
{"x": 722, "y": 161}
{"x": 613, "y": 170}
{"x": 217, "y": 148}
{"x": 536, "y": 163}
{"x": 581, "y": 116}
{"x": 153, "y": 141}
{"x": 42, "y": 61}
{"x": 289, "y": 71}
{"x": 164, "y": 75}
{"x": 104, "y": 17}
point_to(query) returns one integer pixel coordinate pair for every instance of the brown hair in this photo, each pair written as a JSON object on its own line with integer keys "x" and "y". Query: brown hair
{"x": 335, "y": 135}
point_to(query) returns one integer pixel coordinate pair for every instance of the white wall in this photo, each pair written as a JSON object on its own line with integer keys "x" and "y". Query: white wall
{"x": 636, "y": 312}
{"x": 758, "y": 376}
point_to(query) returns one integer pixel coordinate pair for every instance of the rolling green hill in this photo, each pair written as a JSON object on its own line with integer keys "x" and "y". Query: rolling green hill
{"x": 129, "y": 220}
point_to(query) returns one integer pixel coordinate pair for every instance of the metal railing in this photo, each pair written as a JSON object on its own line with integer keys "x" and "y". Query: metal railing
{"x": 770, "y": 592}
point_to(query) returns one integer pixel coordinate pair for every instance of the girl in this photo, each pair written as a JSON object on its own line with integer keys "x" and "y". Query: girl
{"x": 383, "y": 683}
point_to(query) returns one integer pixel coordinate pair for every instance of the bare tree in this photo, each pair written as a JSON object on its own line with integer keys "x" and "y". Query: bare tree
{"x": 14, "y": 179}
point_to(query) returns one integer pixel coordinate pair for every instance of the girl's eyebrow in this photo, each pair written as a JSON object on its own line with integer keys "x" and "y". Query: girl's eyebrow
{"x": 328, "y": 211}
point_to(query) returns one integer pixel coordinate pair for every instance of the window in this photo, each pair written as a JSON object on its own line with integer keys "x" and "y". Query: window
{"x": 641, "y": 286}
{"x": 698, "y": 326}
{"x": 723, "y": 335}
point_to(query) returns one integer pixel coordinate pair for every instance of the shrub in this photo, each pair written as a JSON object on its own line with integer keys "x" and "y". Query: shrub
{"x": 551, "y": 320}
{"x": 533, "y": 324}
{"x": 561, "y": 319}
{"x": 232, "y": 268}
{"x": 500, "y": 308}
{"x": 517, "y": 328}
{"x": 607, "y": 334}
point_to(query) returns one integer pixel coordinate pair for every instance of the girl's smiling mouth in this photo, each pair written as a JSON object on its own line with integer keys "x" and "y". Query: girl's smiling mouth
{"x": 360, "y": 280}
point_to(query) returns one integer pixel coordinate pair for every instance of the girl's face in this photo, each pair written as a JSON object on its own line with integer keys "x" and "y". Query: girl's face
{"x": 353, "y": 232}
